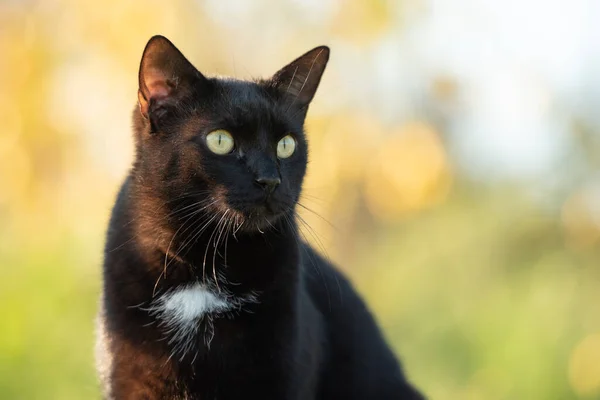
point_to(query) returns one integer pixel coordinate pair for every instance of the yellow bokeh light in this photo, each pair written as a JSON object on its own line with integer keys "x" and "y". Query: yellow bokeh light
{"x": 12, "y": 123}
{"x": 409, "y": 172}
{"x": 362, "y": 21}
{"x": 15, "y": 174}
{"x": 584, "y": 366}
{"x": 578, "y": 223}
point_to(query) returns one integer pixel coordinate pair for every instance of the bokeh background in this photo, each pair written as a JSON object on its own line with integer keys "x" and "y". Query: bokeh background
{"x": 454, "y": 175}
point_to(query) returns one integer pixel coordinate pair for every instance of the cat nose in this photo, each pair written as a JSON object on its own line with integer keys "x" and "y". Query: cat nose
{"x": 268, "y": 183}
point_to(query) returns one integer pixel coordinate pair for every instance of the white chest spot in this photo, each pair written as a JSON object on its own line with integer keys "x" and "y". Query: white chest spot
{"x": 181, "y": 312}
{"x": 191, "y": 303}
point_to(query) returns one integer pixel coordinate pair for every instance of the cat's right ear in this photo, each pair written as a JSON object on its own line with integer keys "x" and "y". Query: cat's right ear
{"x": 300, "y": 78}
{"x": 165, "y": 77}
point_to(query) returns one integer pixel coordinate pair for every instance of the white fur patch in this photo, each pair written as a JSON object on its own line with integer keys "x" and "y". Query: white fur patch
{"x": 103, "y": 356}
{"x": 192, "y": 303}
{"x": 181, "y": 311}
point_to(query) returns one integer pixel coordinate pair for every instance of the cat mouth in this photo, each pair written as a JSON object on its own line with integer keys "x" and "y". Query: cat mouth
{"x": 259, "y": 215}
{"x": 268, "y": 207}
{"x": 264, "y": 210}
{"x": 250, "y": 213}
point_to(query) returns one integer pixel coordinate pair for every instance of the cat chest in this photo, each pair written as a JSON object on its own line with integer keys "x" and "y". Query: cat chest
{"x": 191, "y": 303}
{"x": 186, "y": 315}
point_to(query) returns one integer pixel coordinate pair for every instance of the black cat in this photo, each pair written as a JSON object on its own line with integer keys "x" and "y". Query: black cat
{"x": 209, "y": 293}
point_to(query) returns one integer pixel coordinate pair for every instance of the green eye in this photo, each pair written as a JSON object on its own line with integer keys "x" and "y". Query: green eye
{"x": 220, "y": 141}
{"x": 286, "y": 147}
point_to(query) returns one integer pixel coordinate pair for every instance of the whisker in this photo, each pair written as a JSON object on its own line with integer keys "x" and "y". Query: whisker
{"x": 164, "y": 272}
{"x": 229, "y": 226}
{"x": 311, "y": 197}
{"x": 270, "y": 224}
{"x": 202, "y": 205}
{"x": 187, "y": 229}
{"x": 318, "y": 215}
{"x": 311, "y": 257}
{"x": 238, "y": 227}
{"x": 216, "y": 245}
{"x": 196, "y": 233}
{"x": 206, "y": 250}
{"x": 314, "y": 235}
{"x": 189, "y": 194}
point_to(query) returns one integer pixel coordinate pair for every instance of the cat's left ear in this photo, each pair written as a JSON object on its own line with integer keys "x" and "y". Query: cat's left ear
{"x": 300, "y": 78}
{"x": 165, "y": 76}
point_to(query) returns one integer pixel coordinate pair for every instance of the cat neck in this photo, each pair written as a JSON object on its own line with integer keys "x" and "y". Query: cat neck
{"x": 214, "y": 254}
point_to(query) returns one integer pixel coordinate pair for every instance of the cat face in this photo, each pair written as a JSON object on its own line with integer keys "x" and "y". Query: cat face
{"x": 224, "y": 146}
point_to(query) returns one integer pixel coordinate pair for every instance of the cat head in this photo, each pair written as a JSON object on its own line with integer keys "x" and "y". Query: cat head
{"x": 223, "y": 146}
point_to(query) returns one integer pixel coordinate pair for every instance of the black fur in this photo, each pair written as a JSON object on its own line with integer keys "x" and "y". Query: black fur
{"x": 308, "y": 335}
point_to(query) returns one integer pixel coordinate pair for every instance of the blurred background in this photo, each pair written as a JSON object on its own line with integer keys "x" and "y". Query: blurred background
{"x": 454, "y": 175}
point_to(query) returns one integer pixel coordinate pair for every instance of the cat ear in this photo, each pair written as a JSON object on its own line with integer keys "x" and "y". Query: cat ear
{"x": 300, "y": 78}
{"x": 165, "y": 76}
